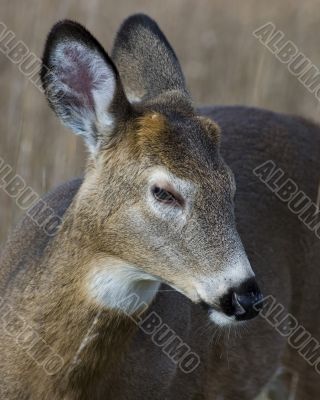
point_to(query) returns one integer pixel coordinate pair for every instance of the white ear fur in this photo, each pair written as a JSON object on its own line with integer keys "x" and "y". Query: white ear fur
{"x": 81, "y": 88}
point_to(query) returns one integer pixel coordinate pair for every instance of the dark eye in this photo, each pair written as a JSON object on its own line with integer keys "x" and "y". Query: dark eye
{"x": 165, "y": 197}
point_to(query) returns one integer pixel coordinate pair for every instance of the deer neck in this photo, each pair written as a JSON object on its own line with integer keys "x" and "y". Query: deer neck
{"x": 87, "y": 306}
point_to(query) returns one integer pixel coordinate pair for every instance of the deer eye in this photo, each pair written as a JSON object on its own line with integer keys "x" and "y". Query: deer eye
{"x": 165, "y": 196}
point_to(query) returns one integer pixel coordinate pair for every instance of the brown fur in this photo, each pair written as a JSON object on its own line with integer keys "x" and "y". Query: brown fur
{"x": 106, "y": 220}
{"x": 151, "y": 124}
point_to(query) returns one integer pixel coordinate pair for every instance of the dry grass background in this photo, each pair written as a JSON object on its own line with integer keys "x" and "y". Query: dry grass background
{"x": 223, "y": 63}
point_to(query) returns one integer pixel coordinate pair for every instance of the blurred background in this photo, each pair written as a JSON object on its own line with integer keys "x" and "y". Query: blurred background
{"x": 223, "y": 63}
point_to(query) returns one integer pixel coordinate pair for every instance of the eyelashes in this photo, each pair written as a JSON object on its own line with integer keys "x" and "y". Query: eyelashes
{"x": 167, "y": 197}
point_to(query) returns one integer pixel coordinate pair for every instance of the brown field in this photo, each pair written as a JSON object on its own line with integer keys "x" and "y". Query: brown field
{"x": 223, "y": 63}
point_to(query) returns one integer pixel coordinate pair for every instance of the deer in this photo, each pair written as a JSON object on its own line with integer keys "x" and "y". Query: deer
{"x": 169, "y": 223}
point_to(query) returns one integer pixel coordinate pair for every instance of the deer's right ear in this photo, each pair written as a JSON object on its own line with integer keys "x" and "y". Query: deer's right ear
{"x": 82, "y": 84}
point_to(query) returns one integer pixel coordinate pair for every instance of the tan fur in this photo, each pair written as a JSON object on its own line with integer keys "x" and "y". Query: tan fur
{"x": 152, "y": 123}
{"x": 194, "y": 250}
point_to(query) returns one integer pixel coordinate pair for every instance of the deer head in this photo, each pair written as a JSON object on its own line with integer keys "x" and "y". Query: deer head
{"x": 156, "y": 204}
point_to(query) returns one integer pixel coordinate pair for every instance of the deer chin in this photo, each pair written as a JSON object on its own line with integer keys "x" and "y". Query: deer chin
{"x": 112, "y": 282}
{"x": 218, "y": 317}
{"x": 221, "y": 319}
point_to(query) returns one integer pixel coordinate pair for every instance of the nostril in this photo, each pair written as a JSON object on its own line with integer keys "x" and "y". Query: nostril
{"x": 247, "y": 301}
{"x": 237, "y": 305}
{"x": 251, "y": 302}
{"x": 244, "y": 302}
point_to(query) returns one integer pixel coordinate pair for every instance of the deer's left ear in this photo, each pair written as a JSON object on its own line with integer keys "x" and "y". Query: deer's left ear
{"x": 82, "y": 83}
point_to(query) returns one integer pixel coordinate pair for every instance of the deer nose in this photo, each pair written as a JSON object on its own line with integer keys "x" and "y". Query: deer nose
{"x": 243, "y": 302}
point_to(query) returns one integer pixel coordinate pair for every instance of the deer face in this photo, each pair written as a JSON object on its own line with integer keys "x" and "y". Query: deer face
{"x": 157, "y": 197}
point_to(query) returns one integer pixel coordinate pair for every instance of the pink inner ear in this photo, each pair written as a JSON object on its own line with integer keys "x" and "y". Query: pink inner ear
{"x": 76, "y": 70}
{"x": 82, "y": 87}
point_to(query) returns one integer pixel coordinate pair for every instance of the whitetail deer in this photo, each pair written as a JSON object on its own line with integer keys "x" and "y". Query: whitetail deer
{"x": 154, "y": 216}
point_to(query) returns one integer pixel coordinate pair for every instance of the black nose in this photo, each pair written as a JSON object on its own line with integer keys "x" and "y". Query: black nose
{"x": 243, "y": 302}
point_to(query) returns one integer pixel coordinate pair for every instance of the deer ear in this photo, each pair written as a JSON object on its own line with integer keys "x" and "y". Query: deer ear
{"x": 82, "y": 84}
{"x": 146, "y": 61}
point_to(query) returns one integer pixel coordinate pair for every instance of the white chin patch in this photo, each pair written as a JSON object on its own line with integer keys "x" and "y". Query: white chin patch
{"x": 113, "y": 282}
{"x": 221, "y": 319}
